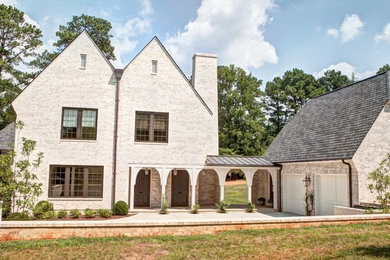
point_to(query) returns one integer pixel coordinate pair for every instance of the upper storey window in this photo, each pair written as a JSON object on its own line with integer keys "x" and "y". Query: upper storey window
{"x": 154, "y": 67}
{"x": 79, "y": 123}
{"x": 83, "y": 61}
{"x": 151, "y": 127}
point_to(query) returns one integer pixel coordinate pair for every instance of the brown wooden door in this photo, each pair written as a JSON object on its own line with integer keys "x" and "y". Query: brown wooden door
{"x": 142, "y": 190}
{"x": 180, "y": 187}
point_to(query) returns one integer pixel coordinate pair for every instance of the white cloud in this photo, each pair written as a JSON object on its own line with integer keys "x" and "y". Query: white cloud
{"x": 385, "y": 35}
{"x": 346, "y": 69}
{"x": 29, "y": 20}
{"x": 233, "y": 29}
{"x": 125, "y": 34}
{"x": 349, "y": 29}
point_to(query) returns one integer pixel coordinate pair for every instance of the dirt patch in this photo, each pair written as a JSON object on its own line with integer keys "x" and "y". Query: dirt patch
{"x": 235, "y": 182}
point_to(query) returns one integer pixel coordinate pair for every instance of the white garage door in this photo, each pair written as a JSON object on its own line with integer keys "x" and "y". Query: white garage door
{"x": 294, "y": 194}
{"x": 331, "y": 190}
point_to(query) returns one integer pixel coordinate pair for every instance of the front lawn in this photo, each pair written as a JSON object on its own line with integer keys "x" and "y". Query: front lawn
{"x": 350, "y": 241}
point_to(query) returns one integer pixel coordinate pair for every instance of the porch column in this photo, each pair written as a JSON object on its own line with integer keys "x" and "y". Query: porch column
{"x": 164, "y": 181}
{"x": 274, "y": 176}
{"x": 249, "y": 198}
{"x": 221, "y": 172}
{"x": 221, "y": 192}
{"x": 249, "y": 172}
{"x": 134, "y": 173}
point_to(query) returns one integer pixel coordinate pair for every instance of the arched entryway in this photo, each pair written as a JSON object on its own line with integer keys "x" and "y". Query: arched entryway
{"x": 262, "y": 188}
{"x": 147, "y": 189}
{"x": 207, "y": 188}
{"x": 236, "y": 188}
{"x": 179, "y": 181}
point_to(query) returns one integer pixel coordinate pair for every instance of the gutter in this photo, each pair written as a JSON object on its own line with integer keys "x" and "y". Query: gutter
{"x": 118, "y": 74}
{"x": 350, "y": 181}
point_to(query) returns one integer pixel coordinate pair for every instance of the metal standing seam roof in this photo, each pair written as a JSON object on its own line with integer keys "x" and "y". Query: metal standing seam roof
{"x": 238, "y": 161}
{"x": 332, "y": 126}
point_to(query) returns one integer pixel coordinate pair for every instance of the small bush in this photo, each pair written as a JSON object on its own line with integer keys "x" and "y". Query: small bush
{"x": 222, "y": 206}
{"x": 164, "y": 206}
{"x": 18, "y": 216}
{"x": 195, "y": 208}
{"x": 251, "y": 206}
{"x": 41, "y": 208}
{"x": 62, "y": 213}
{"x": 75, "y": 213}
{"x": 89, "y": 213}
{"x": 121, "y": 208}
{"x": 104, "y": 213}
{"x": 50, "y": 215}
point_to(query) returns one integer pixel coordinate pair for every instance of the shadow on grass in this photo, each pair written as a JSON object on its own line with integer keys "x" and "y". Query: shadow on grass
{"x": 373, "y": 251}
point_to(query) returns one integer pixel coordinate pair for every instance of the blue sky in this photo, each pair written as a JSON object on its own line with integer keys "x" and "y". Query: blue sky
{"x": 265, "y": 37}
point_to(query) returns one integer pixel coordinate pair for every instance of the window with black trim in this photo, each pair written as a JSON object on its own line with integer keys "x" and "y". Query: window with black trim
{"x": 79, "y": 123}
{"x": 151, "y": 127}
{"x": 76, "y": 182}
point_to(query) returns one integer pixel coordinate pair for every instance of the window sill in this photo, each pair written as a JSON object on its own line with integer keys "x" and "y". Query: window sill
{"x": 75, "y": 199}
{"x": 153, "y": 73}
{"x": 150, "y": 143}
{"x": 78, "y": 140}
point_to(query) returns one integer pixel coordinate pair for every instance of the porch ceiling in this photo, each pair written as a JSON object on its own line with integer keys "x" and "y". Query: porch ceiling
{"x": 238, "y": 161}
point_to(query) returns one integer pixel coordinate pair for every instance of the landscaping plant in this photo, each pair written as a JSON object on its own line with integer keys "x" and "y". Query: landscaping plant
{"x": 75, "y": 213}
{"x": 381, "y": 183}
{"x": 49, "y": 215}
{"x": 62, "y": 213}
{"x": 41, "y": 208}
{"x": 251, "y": 206}
{"x": 164, "y": 205}
{"x": 104, "y": 213}
{"x": 195, "y": 209}
{"x": 89, "y": 213}
{"x": 222, "y": 206}
{"x": 309, "y": 200}
{"x": 18, "y": 216}
{"x": 121, "y": 208}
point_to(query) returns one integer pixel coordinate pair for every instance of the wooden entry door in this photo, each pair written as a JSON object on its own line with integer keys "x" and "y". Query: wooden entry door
{"x": 180, "y": 188}
{"x": 142, "y": 190}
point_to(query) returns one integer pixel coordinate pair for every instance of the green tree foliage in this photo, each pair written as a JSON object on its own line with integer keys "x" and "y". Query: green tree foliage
{"x": 384, "y": 68}
{"x": 333, "y": 80}
{"x": 19, "y": 42}
{"x": 241, "y": 119}
{"x": 381, "y": 183}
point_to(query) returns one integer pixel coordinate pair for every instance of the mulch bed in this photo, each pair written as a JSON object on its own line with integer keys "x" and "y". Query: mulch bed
{"x": 68, "y": 218}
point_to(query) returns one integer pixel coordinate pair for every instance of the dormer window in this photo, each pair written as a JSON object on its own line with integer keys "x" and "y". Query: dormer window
{"x": 154, "y": 67}
{"x": 83, "y": 61}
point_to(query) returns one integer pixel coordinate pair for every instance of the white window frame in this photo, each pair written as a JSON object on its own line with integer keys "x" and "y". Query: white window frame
{"x": 154, "y": 67}
{"x": 83, "y": 61}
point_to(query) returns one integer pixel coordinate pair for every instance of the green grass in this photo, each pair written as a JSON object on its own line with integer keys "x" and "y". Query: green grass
{"x": 236, "y": 194}
{"x": 324, "y": 242}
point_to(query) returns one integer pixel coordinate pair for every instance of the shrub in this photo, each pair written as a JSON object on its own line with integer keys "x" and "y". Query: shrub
{"x": 89, "y": 213}
{"x": 195, "y": 208}
{"x": 380, "y": 185}
{"x": 41, "y": 208}
{"x": 62, "y": 213}
{"x": 222, "y": 206}
{"x": 104, "y": 213}
{"x": 251, "y": 206}
{"x": 75, "y": 213}
{"x": 164, "y": 206}
{"x": 18, "y": 216}
{"x": 50, "y": 215}
{"x": 121, "y": 208}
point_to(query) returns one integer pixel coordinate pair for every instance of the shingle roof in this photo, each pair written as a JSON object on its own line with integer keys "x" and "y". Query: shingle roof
{"x": 238, "y": 161}
{"x": 7, "y": 137}
{"x": 332, "y": 126}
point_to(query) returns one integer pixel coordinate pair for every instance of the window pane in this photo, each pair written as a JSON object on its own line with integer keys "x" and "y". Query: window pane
{"x": 83, "y": 58}
{"x": 142, "y": 124}
{"x": 160, "y": 127}
{"x": 154, "y": 66}
{"x": 69, "y": 123}
{"x": 57, "y": 182}
{"x": 95, "y": 182}
{"x": 88, "y": 125}
{"x": 76, "y": 182}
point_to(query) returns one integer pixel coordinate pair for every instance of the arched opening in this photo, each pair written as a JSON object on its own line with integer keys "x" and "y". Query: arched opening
{"x": 147, "y": 189}
{"x": 207, "y": 188}
{"x": 262, "y": 189}
{"x": 236, "y": 189}
{"x": 179, "y": 188}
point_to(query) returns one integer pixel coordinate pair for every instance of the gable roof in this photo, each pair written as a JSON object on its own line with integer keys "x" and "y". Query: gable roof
{"x": 332, "y": 126}
{"x": 176, "y": 66}
{"x": 7, "y": 137}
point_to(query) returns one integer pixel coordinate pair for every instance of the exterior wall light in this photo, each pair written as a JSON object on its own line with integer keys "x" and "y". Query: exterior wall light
{"x": 306, "y": 181}
{"x": 174, "y": 172}
{"x": 146, "y": 171}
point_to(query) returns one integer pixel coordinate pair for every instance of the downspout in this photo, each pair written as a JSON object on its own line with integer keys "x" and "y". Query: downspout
{"x": 279, "y": 177}
{"x": 350, "y": 180}
{"x": 118, "y": 75}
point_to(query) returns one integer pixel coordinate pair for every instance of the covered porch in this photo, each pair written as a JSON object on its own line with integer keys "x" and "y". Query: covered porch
{"x": 184, "y": 185}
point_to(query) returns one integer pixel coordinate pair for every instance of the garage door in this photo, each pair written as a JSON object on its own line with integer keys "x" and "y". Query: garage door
{"x": 294, "y": 194}
{"x": 331, "y": 190}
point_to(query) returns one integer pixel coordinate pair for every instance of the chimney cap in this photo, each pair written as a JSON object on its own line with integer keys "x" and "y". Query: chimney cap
{"x": 205, "y": 55}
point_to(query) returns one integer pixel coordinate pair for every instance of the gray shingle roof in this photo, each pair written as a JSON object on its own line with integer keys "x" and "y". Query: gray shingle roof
{"x": 7, "y": 136}
{"x": 332, "y": 126}
{"x": 238, "y": 161}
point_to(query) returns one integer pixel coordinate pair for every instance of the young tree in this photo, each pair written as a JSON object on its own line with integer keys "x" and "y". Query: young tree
{"x": 333, "y": 80}
{"x": 241, "y": 119}
{"x": 381, "y": 183}
{"x": 384, "y": 68}
{"x": 19, "y": 42}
